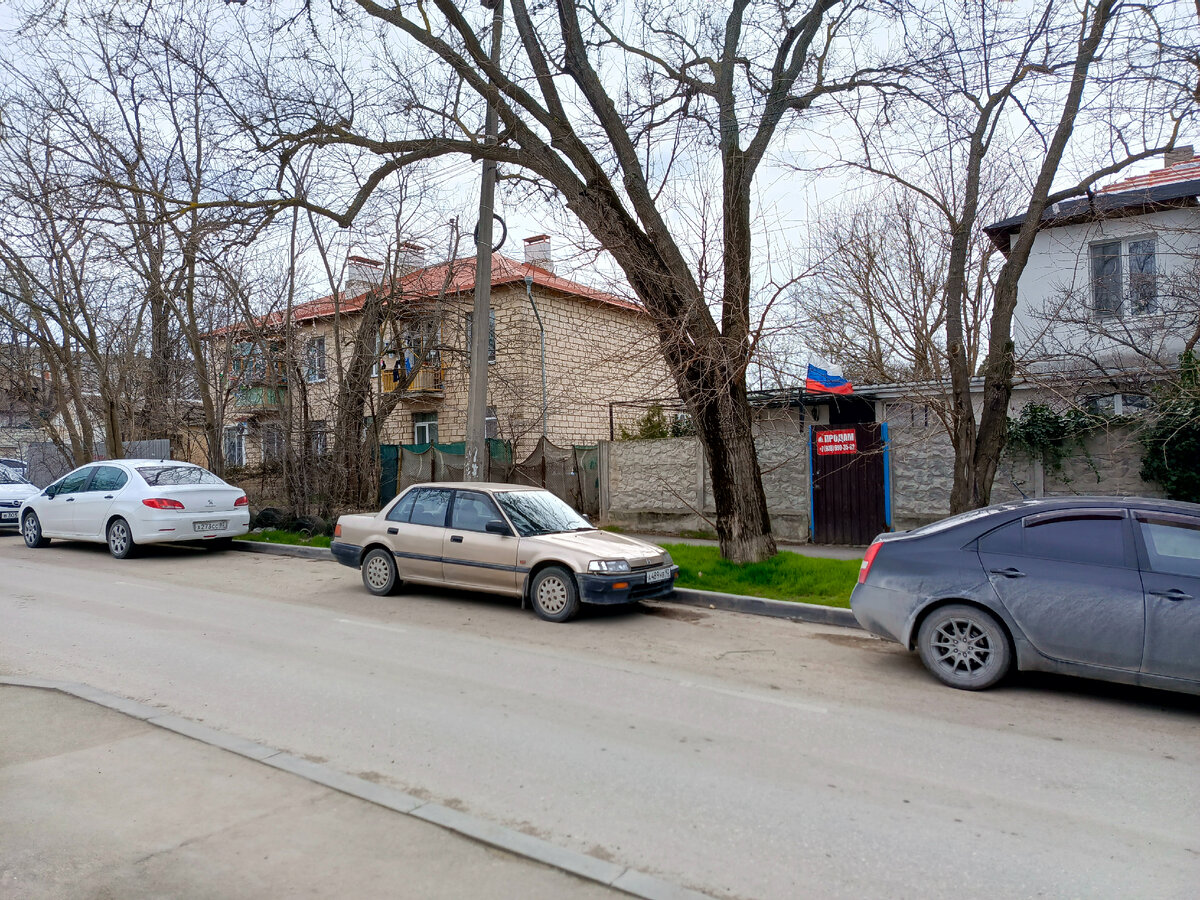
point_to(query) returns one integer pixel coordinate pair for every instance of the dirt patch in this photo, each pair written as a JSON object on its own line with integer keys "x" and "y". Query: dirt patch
{"x": 854, "y": 640}
{"x": 672, "y": 612}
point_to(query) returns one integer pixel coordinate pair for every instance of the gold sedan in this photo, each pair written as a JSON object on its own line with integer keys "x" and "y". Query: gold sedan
{"x": 502, "y": 538}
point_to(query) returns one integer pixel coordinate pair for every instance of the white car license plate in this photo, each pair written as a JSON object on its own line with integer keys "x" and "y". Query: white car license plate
{"x": 656, "y": 575}
{"x": 214, "y": 525}
{"x": 8, "y": 516}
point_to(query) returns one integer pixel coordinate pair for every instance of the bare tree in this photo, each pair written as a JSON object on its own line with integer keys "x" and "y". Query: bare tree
{"x": 1003, "y": 89}
{"x": 707, "y": 89}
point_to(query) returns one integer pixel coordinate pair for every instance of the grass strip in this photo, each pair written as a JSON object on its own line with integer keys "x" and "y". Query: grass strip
{"x": 279, "y": 536}
{"x": 785, "y": 576}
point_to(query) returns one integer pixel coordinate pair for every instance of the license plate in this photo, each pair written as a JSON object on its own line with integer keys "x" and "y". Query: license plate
{"x": 655, "y": 575}
{"x": 8, "y": 517}
{"x": 215, "y": 525}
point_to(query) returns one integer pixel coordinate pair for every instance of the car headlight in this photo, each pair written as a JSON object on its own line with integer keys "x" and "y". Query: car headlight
{"x": 608, "y": 566}
{"x": 667, "y": 561}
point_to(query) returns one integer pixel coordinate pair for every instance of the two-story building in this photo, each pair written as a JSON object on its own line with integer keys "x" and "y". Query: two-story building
{"x": 1111, "y": 294}
{"x": 598, "y": 348}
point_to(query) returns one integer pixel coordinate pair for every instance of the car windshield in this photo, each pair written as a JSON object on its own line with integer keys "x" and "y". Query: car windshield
{"x": 161, "y": 476}
{"x": 540, "y": 512}
{"x": 10, "y": 476}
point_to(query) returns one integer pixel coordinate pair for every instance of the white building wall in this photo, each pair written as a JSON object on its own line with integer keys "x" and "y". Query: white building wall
{"x": 1054, "y": 322}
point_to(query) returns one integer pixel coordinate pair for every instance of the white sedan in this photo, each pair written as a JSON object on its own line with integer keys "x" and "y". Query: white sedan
{"x": 128, "y": 502}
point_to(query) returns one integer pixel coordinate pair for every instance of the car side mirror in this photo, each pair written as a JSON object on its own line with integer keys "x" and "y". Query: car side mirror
{"x": 495, "y": 526}
{"x": 49, "y": 492}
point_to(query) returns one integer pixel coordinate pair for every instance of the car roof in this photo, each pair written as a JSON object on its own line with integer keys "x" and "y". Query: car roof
{"x": 479, "y": 486}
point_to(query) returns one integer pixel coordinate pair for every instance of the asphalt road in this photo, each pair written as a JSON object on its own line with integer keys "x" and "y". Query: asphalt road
{"x": 741, "y": 756}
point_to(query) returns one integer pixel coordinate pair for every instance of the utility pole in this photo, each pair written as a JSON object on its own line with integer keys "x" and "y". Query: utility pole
{"x": 475, "y": 462}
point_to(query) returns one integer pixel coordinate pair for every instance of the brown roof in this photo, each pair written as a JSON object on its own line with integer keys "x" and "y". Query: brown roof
{"x": 427, "y": 283}
{"x": 1181, "y": 171}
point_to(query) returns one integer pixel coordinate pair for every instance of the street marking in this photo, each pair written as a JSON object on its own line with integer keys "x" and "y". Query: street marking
{"x": 394, "y": 628}
{"x": 761, "y": 698}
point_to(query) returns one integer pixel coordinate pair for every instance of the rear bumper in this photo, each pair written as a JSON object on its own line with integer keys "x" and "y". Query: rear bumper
{"x": 881, "y": 611}
{"x": 346, "y": 554}
{"x": 603, "y": 590}
{"x": 160, "y": 529}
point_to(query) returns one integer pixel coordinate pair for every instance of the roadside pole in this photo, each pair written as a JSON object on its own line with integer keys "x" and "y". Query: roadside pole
{"x": 475, "y": 462}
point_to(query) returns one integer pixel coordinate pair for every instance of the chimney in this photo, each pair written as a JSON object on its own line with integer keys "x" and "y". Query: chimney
{"x": 537, "y": 252}
{"x": 1178, "y": 155}
{"x": 409, "y": 257}
{"x": 362, "y": 274}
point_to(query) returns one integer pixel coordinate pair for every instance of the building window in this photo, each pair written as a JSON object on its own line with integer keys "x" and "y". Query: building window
{"x": 491, "y": 424}
{"x": 235, "y": 445}
{"x": 274, "y": 446}
{"x": 491, "y": 336}
{"x": 1110, "y": 286}
{"x": 424, "y": 428}
{"x": 314, "y": 359}
{"x": 318, "y": 437}
{"x": 1118, "y": 405}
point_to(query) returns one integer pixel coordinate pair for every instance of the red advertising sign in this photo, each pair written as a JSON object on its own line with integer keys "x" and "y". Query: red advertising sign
{"x": 831, "y": 442}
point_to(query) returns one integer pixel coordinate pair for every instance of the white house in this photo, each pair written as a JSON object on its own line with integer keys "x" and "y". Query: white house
{"x": 1111, "y": 293}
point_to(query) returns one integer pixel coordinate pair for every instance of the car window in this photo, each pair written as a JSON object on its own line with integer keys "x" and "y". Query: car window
{"x": 540, "y": 512}
{"x": 1172, "y": 542}
{"x": 10, "y": 476}
{"x": 108, "y": 478}
{"x": 160, "y": 476}
{"x": 472, "y": 511}
{"x": 1005, "y": 539}
{"x": 402, "y": 510}
{"x": 429, "y": 507}
{"x": 1096, "y": 538}
{"x": 72, "y": 483}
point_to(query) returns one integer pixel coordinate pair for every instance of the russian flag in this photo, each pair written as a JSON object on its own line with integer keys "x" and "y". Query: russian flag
{"x": 828, "y": 380}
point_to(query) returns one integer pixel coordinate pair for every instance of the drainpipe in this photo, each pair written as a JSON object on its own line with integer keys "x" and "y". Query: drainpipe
{"x": 542, "y": 329}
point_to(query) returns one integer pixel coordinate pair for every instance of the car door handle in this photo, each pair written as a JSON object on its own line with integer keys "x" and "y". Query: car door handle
{"x": 108, "y": 496}
{"x": 1172, "y": 594}
{"x": 393, "y": 531}
{"x": 456, "y": 538}
{"x": 1010, "y": 572}
{"x": 70, "y": 500}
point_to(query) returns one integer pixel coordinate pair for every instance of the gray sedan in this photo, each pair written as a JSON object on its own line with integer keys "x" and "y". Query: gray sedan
{"x": 1100, "y": 587}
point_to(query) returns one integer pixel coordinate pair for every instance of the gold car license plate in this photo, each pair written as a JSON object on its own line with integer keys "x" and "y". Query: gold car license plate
{"x": 214, "y": 525}
{"x": 656, "y": 575}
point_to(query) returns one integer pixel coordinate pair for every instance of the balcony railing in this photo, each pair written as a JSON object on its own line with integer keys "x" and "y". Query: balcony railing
{"x": 426, "y": 380}
{"x": 258, "y": 398}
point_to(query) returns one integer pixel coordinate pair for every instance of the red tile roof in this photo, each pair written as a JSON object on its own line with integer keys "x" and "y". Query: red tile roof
{"x": 1181, "y": 171}
{"x": 426, "y": 283}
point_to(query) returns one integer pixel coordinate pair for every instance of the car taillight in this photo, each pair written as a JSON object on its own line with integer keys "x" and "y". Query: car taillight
{"x": 868, "y": 558}
{"x": 337, "y": 530}
{"x": 242, "y": 501}
{"x": 162, "y": 503}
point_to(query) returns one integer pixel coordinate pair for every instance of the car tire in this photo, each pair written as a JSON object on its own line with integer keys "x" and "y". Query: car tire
{"x": 554, "y": 594}
{"x": 120, "y": 539}
{"x": 379, "y": 572}
{"x": 964, "y": 647}
{"x": 31, "y": 530}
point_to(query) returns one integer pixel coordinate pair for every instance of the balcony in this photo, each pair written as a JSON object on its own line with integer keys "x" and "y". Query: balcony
{"x": 258, "y": 398}
{"x": 428, "y": 379}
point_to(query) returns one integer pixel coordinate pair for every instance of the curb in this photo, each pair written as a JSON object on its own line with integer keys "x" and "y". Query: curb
{"x": 609, "y": 874}
{"x": 753, "y": 606}
{"x": 759, "y": 606}
{"x": 283, "y": 549}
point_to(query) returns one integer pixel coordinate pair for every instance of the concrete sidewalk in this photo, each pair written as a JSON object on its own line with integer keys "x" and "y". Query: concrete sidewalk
{"x": 96, "y": 803}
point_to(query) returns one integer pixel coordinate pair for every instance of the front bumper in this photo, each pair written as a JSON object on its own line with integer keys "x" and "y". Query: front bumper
{"x": 346, "y": 554}
{"x": 604, "y": 589}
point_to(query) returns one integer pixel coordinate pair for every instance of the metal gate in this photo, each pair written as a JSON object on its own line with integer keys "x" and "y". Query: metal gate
{"x": 849, "y": 489}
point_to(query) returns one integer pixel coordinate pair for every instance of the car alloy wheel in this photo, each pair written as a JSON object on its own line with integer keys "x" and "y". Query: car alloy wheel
{"x": 379, "y": 572}
{"x": 31, "y": 529}
{"x": 964, "y": 647}
{"x": 554, "y": 595}
{"x": 120, "y": 539}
